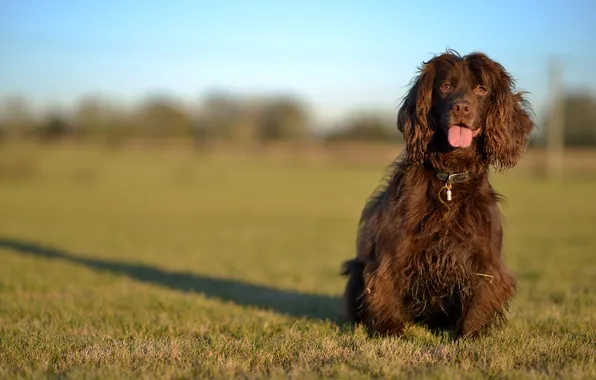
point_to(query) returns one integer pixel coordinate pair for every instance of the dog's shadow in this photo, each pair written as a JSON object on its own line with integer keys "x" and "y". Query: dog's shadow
{"x": 288, "y": 302}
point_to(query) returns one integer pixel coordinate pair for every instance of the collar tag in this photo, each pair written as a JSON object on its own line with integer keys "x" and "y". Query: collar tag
{"x": 450, "y": 179}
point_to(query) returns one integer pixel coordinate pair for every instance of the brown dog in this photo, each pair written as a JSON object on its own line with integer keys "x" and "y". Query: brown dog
{"x": 429, "y": 242}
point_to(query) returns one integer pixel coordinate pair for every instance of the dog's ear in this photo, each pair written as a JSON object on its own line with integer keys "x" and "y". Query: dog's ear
{"x": 508, "y": 122}
{"x": 412, "y": 117}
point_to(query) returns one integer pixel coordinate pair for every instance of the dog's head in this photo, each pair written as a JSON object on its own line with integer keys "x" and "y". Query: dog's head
{"x": 465, "y": 103}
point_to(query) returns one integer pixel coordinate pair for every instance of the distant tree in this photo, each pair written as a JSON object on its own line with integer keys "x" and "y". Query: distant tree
{"x": 54, "y": 127}
{"x": 162, "y": 117}
{"x": 16, "y": 117}
{"x": 246, "y": 125}
{"x": 365, "y": 128}
{"x": 218, "y": 117}
{"x": 284, "y": 119}
{"x": 94, "y": 116}
{"x": 580, "y": 120}
{"x": 230, "y": 118}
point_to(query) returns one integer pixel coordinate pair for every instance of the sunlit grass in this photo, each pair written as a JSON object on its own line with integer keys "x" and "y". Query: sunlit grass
{"x": 170, "y": 264}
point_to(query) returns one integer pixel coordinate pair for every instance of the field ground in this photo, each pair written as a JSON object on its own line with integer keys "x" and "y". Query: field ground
{"x": 141, "y": 263}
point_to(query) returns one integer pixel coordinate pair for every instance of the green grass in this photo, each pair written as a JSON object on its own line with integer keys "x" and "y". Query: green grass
{"x": 117, "y": 264}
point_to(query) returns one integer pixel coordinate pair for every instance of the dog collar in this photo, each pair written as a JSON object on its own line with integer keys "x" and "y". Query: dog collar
{"x": 453, "y": 177}
{"x": 450, "y": 178}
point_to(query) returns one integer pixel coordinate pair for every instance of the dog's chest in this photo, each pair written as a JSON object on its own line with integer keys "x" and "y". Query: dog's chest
{"x": 440, "y": 271}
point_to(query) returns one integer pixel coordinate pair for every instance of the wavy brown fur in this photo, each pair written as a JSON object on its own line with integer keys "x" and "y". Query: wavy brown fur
{"x": 419, "y": 261}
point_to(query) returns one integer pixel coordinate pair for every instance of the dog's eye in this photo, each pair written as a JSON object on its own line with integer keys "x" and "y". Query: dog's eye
{"x": 446, "y": 87}
{"x": 481, "y": 90}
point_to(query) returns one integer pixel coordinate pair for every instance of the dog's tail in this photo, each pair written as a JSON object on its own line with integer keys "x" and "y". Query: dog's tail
{"x": 346, "y": 267}
{"x": 352, "y": 299}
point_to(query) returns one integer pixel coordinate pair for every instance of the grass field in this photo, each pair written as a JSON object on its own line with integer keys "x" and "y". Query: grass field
{"x": 139, "y": 263}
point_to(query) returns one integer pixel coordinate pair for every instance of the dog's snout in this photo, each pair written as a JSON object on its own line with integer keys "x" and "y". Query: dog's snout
{"x": 462, "y": 107}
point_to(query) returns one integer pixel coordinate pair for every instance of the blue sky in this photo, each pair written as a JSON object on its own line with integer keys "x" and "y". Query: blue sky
{"x": 340, "y": 56}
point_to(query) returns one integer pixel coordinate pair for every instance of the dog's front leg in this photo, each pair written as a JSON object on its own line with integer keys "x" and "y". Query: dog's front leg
{"x": 488, "y": 304}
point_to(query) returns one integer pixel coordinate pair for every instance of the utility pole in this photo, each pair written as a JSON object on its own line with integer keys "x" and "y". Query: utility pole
{"x": 555, "y": 133}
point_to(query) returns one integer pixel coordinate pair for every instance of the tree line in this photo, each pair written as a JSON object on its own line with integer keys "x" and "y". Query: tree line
{"x": 224, "y": 117}
{"x": 218, "y": 117}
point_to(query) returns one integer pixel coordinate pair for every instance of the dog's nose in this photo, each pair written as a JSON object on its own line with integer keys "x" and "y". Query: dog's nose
{"x": 462, "y": 107}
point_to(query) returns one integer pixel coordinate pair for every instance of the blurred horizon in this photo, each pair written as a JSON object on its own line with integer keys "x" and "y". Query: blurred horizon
{"x": 338, "y": 58}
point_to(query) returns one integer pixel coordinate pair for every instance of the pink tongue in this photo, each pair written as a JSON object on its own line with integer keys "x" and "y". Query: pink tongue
{"x": 459, "y": 137}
